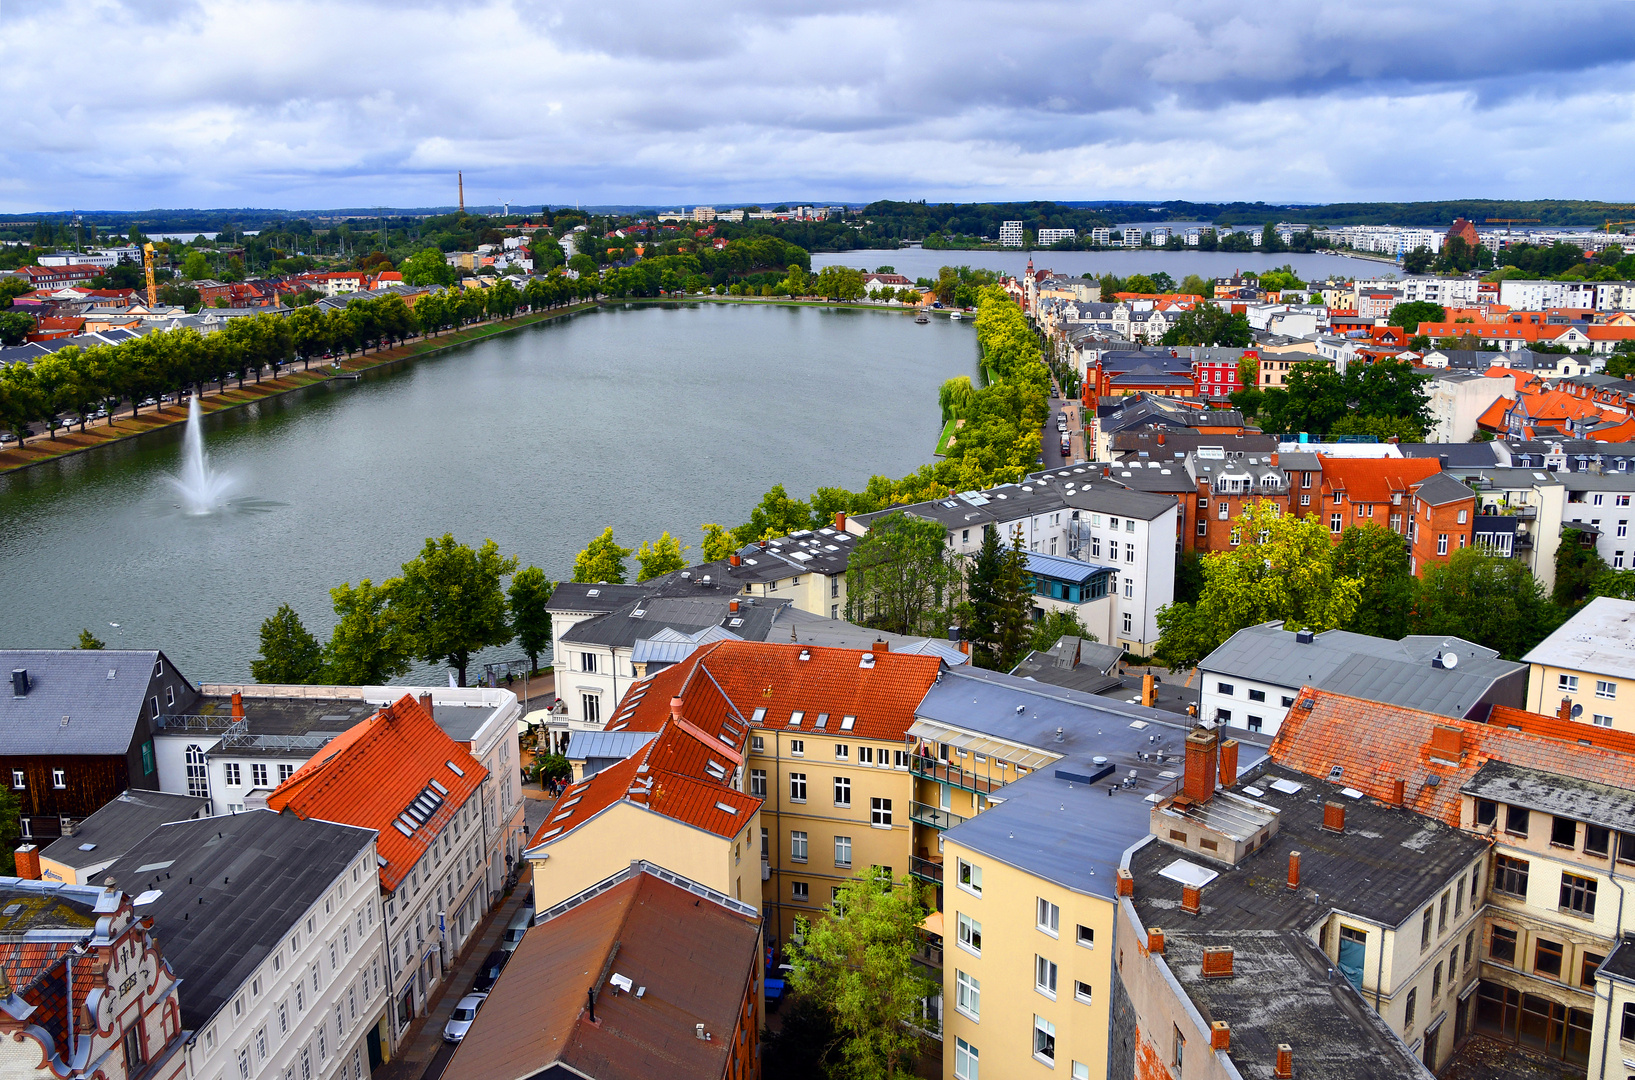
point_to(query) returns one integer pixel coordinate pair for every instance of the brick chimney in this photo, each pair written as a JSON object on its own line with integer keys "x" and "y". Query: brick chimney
{"x": 238, "y": 706}
{"x": 1126, "y": 883}
{"x": 840, "y": 520}
{"x": 1447, "y": 742}
{"x": 1274, "y": 460}
{"x": 1148, "y": 690}
{"x": 882, "y": 645}
{"x": 675, "y": 707}
{"x": 1198, "y": 783}
{"x": 1285, "y": 1062}
{"x": 735, "y": 559}
{"x": 732, "y": 606}
{"x": 1217, "y": 962}
{"x": 1229, "y": 762}
{"x": 1191, "y": 899}
{"x": 1220, "y": 1035}
{"x": 1155, "y": 940}
{"x": 28, "y": 862}
{"x": 1399, "y": 792}
{"x": 1294, "y": 869}
{"x": 1334, "y": 817}
{"x": 425, "y": 703}
{"x": 1565, "y": 712}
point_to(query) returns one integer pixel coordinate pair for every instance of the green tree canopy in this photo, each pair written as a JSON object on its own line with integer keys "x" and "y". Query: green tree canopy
{"x": 900, "y": 577}
{"x": 529, "y": 595}
{"x": 601, "y": 561}
{"x": 1489, "y": 599}
{"x": 662, "y": 556}
{"x": 88, "y": 640}
{"x": 1210, "y": 324}
{"x": 289, "y": 653}
{"x": 1378, "y": 558}
{"x": 718, "y": 542}
{"x": 427, "y": 267}
{"x": 449, "y": 602}
{"x": 1578, "y": 568}
{"x": 1055, "y": 626}
{"x": 1410, "y": 315}
{"x": 367, "y": 646}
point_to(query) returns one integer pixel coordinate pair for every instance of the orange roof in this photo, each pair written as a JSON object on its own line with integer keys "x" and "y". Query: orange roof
{"x": 1375, "y": 744}
{"x": 1494, "y": 415}
{"x": 1375, "y": 480}
{"x": 1522, "y": 379}
{"x": 397, "y": 773}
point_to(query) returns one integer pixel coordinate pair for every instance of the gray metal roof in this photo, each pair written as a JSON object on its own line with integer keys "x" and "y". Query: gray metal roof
{"x": 1600, "y": 638}
{"x": 112, "y": 830}
{"x": 102, "y": 711}
{"x": 1559, "y": 796}
{"x": 806, "y": 628}
{"x": 257, "y": 873}
{"x": 1378, "y": 669}
{"x": 618, "y": 745}
{"x": 1442, "y": 488}
{"x": 578, "y": 596}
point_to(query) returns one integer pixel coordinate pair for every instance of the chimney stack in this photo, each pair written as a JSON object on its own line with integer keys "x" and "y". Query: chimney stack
{"x": 1285, "y": 1062}
{"x": 1198, "y": 783}
{"x": 1126, "y": 883}
{"x": 882, "y": 645}
{"x": 1155, "y": 940}
{"x": 1565, "y": 712}
{"x": 735, "y": 559}
{"x": 1447, "y": 742}
{"x": 1294, "y": 869}
{"x": 1191, "y": 899}
{"x": 840, "y": 520}
{"x": 675, "y": 707}
{"x": 1220, "y": 1036}
{"x": 1148, "y": 692}
{"x": 425, "y": 703}
{"x": 732, "y": 605}
{"x": 238, "y": 706}
{"x": 1399, "y": 792}
{"x": 28, "y": 862}
{"x": 1334, "y": 817}
{"x": 1229, "y": 762}
{"x": 1217, "y": 962}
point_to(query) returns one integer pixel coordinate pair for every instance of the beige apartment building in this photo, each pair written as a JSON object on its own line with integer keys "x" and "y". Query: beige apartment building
{"x": 1585, "y": 667}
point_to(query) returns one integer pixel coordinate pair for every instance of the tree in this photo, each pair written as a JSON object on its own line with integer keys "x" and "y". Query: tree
{"x": 1578, "y": 567}
{"x": 718, "y": 542}
{"x": 15, "y": 326}
{"x": 602, "y": 561}
{"x": 1013, "y": 596}
{"x": 11, "y": 812}
{"x": 858, "y": 964}
{"x": 1489, "y": 599}
{"x": 1209, "y": 324}
{"x": 774, "y": 516}
{"x": 88, "y": 640}
{"x": 900, "y": 577}
{"x": 449, "y": 602}
{"x": 1055, "y": 626}
{"x": 1282, "y": 567}
{"x": 662, "y": 556}
{"x": 1377, "y": 557}
{"x": 427, "y": 267}
{"x": 1410, "y": 315}
{"x": 196, "y": 267}
{"x": 1379, "y": 428}
{"x": 367, "y": 646}
{"x": 289, "y": 654}
{"x": 805, "y": 1046}
{"x": 530, "y": 594}
{"x": 980, "y": 611}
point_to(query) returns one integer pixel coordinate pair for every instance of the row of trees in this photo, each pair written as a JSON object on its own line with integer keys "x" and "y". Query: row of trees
{"x": 449, "y": 602}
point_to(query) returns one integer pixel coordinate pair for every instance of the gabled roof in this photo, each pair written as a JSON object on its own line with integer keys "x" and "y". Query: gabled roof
{"x": 397, "y": 773}
{"x": 1441, "y": 490}
{"x": 1374, "y": 480}
{"x": 100, "y": 693}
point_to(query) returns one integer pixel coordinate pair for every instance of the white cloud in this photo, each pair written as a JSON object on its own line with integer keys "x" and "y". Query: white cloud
{"x": 307, "y": 104}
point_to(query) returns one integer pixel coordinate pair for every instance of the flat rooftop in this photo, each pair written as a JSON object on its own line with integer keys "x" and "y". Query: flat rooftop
{"x": 112, "y": 830}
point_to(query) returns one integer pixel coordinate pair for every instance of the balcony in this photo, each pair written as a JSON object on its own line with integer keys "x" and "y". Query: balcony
{"x": 928, "y": 950}
{"x": 946, "y": 773}
{"x": 926, "y": 869}
{"x": 929, "y": 815}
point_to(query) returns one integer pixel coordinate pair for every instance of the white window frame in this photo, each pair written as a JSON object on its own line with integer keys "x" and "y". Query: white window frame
{"x": 967, "y": 995}
{"x": 1047, "y": 917}
{"x": 966, "y": 1060}
{"x": 968, "y": 876}
{"x": 968, "y": 934}
{"x": 1045, "y": 974}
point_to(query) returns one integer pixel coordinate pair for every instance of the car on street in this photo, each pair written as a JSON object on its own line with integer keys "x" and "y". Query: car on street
{"x": 519, "y": 924}
{"x": 459, "y": 1022}
{"x": 489, "y": 973}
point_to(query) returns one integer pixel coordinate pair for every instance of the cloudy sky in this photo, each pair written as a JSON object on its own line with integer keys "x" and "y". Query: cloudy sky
{"x": 284, "y": 103}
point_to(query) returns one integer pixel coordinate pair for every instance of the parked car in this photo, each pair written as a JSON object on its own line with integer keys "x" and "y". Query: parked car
{"x": 519, "y": 924}
{"x": 464, "y": 1013}
{"x": 489, "y": 973}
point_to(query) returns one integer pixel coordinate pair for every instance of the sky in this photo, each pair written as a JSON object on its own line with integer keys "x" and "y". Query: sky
{"x": 135, "y": 104}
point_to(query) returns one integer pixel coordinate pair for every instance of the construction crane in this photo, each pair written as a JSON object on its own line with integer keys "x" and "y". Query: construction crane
{"x": 1618, "y": 224}
{"x": 147, "y": 264}
{"x": 1509, "y": 221}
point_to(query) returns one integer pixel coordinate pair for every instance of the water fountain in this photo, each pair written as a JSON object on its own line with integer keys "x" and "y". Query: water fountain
{"x": 203, "y": 489}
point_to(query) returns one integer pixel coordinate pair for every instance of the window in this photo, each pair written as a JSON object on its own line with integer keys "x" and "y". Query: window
{"x": 1587, "y": 964}
{"x": 757, "y": 782}
{"x": 1127, "y": 622}
{"x": 1597, "y": 839}
{"x": 587, "y": 662}
{"x": 17, "y": 779}
{"x": 1436, "y": 982}
{"x": 880, "y": 813}
{"x": 1563, "y": 832}
{"x": 1224, "y": 688}
{"x": 797, "y": 846}
{"x": 1577, "y": 894}
{"x": 970, "y": 934}
{"x": 757, "y": 743}
{"x": 258, "y": 775}
{"x": 1567, "y": 683}
{"x": 244, "y": 1061}
{"x": 1082, "y": 992}
{"x": 1547, "y": 957}
{"x": 799, "y": 892}
{"x": 1606, "y": 688}
{"x": 970, "y": 877}
{"x": 1487, "y": 811}
{"x": 1515, "y": 820}
{"x": 1129, "y": 588}
{"x": 1425, "y": 931}
{"x": 843, "y": 851}
{"x": 843, "y": 791}
{"x": 59, "y": 777}
{"x": 1044, "y": 1039}
{"x": 1409, "y": 1009}
{"x": 1470, "y": 948}
{"x": 965, "y": 1060}
{"x": 797, "y": 787}
{"x": 1178, "y": 1051}
{"x": 1441, "y": 543}
{"x": 1336, "y": 522}
{"x": 1510, "y": 876}
{"x": 865, "y": 755}
{"x": 1086, "y": 936}
{"x": 1047, "y": 916}
{"x": 842, "y": 752}
{"x": 1502, "y": 945}
{"x": 967, "y": 995}
{"x": 1044, "y": 976}
{"x": 1601, "y": 719}
{"x": 797, "y": 747}
{"x": 592, "y": 704}
{"x": 1442, "y": 914}
{"x": 1628, "y": 1032}
{"x": 1257, "y": 695}
{"x": 233, "y": 774}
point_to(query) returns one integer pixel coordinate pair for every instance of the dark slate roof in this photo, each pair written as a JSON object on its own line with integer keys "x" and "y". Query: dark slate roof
{"x": 753, "y": 621}
{"x": 1131, "y": 444}
{"x": 1442, "y": 488}
{"x": 1482, "y": 455}
{"x": 578, "y": 596}
{"x": 116, "y": 827}
{"x": 1620, "y": 964}
{"x": 102, "y": 711}
{"x": 1560, "y": 796}
{"x": 1074, "y": 664}
{"x": 290, "y": 715}
{"x": 259, "y": 874}
{"x": 1385, "y": 866}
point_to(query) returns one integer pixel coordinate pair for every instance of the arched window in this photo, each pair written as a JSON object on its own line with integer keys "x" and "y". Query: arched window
{"x": 198, "y": 780}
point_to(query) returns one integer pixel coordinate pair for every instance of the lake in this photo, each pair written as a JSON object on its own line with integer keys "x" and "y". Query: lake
{"x": 646, "y": 418}
{"x": 918, "y": 262}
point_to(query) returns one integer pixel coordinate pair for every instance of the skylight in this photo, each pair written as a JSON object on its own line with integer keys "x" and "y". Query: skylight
{"x": 733, "y": 810}
{"x": 455, "y": 768}
{"x": 846, "y": 722}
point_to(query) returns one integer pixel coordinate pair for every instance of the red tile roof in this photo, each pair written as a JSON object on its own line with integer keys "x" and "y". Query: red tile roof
{"x": 1375, "y": 745}
{"x": 1373, "y": 480}
{"x": 373, "y": 774}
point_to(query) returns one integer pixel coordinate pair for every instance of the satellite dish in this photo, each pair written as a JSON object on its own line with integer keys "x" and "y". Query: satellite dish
{"x": 1450, "y": 660}
{"x": 1578, "y": 710}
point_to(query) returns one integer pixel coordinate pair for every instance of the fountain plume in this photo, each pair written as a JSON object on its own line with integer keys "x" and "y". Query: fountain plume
{"x": 203, "y": 490}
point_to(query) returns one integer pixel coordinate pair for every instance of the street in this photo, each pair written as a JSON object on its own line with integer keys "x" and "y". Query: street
{"x": 1050, "y": 439}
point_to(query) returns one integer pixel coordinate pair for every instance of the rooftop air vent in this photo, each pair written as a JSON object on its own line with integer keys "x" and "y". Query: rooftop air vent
{"x": 1304, "y": 637}
{"x": 19, "y": 682}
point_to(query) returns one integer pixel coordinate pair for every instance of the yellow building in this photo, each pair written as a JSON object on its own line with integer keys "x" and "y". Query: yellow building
{"x": 1584, "y": 667}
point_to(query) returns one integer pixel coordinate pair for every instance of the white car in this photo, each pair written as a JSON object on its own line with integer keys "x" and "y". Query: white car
{"x": 464, "y": 1013}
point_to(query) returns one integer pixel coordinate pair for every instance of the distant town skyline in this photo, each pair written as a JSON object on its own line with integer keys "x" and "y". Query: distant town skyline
{"x": 297, "y": 105}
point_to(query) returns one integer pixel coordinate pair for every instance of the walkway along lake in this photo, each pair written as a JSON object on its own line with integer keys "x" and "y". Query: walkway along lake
{"x": 644, "y": 417}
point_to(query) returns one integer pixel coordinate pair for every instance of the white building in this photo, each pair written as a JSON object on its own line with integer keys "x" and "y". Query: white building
{"x": 1161, "y": 235}
{"x": 1132, "y": 236}
{"x": 1101, "y": 236}
{"x": 1428, "y": 288}
{"x": 1053, "y": 236}
{"x": 1010, "y": 234}
{"x": 1456, "y": 399}
{"x": 703, "y": 213}
{"x": 1539, "y": 295}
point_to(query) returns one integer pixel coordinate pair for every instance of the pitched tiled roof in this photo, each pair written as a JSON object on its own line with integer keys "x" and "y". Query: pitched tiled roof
{"x": 397, "y": 773}
{"x": 1375, "y": 745}
{"x": 1373, "y": 480}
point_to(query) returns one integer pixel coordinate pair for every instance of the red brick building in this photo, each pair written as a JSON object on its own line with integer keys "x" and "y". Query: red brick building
{"x": 1409, "y": 496}
{"x": 1465, "y": 231}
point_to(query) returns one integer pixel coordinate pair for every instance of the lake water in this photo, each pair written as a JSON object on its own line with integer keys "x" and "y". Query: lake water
{"x": 643, "y": 418}
{"x": 918, "y": 262}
